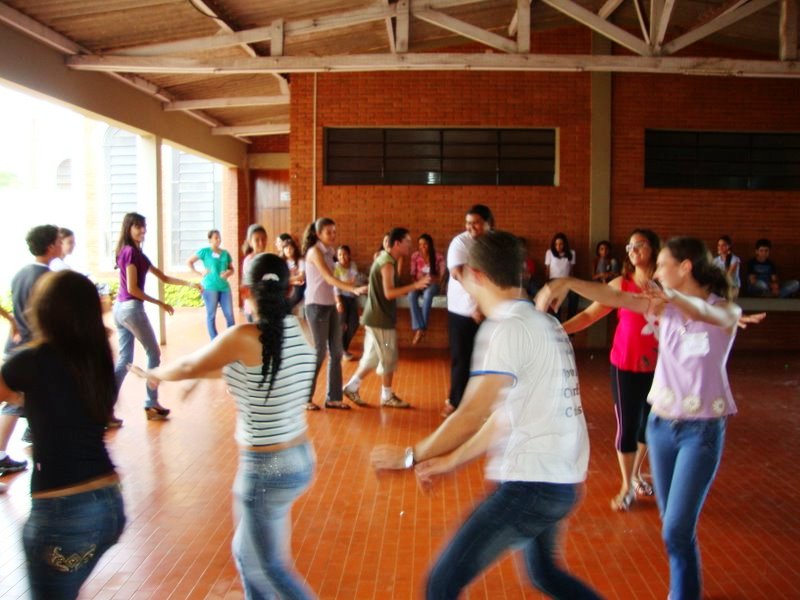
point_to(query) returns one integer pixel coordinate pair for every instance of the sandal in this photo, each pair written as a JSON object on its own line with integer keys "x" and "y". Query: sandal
{"x": 642, "y": 488}
{"x": 335, "y": 404}
{"x": 622, "y": 502}
{"x": 311, "y": 406}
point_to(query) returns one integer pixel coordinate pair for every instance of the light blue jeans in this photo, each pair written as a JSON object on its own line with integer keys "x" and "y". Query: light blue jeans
{"x": 518, "y": 514}
{"x": 132, "y": 324}
{"x": 787, "y": 288}
{"x": 266, "y": 486}
{"x": 684, "y": 457}
{"x": 64, "y": 538}
{"x": 211, "y": 298}
{"x": 420, "y": 315}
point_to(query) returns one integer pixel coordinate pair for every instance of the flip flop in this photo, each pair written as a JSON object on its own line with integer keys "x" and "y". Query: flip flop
{"x": 642, "y": 488}
{"x": 312, "y": 406}
{"x": 337, "y": 405}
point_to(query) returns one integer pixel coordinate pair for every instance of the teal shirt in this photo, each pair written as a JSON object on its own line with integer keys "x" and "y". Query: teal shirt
{"x": 215, "y": 263}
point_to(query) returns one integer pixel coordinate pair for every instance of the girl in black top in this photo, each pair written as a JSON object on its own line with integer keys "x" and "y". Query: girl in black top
{"x": 66, "y": 376}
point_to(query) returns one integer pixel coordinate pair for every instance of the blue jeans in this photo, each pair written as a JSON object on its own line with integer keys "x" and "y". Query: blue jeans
{"x": 326, "y": 330}
{"x": 266, "y": 486}
{"x": 211, "y": 299}
{"x": 419, "y": 316}
{"x": 684, "y": 457}
{"x": 132, "y": 324}
{"x": 517, "y": 514}
{"x": 64, "y": 538}
{"x": 787, "y": 288}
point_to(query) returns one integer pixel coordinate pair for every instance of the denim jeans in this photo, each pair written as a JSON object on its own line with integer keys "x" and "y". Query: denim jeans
{"x": 517, "y": 514}
{"x": 419, "y": 315}
{"x": 64, "y": 538}
{"x": 211, "y": 298}
{"x": 132, "y": 324}
{"x": 266, "y": 486}
{"x": 684, "y": 457}
{"x": 787, "y": 288}
{"x": 326, "y": 329}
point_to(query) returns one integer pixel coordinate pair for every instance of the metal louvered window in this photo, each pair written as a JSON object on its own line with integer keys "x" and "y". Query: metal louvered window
{"x": 440, "y": 156}
{"x": 722, "y": 160}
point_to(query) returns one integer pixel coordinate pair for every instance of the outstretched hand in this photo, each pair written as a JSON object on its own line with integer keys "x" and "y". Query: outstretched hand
{"x": 428, "y": 469}
{"x": 552, "y": 295}
{"x": 753, "y": 319}
{"x": 387, "y": 457}
{"x": 151, "y": 381}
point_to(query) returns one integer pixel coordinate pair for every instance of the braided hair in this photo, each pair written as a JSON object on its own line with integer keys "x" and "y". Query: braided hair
{"x": 268, "y": 280}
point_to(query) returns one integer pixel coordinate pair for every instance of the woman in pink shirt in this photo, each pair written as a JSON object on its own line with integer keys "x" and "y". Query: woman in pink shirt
{"x": 633, "y": 362}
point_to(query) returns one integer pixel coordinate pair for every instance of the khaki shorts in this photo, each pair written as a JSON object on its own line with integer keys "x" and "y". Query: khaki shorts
{"x": 380, "y": 350}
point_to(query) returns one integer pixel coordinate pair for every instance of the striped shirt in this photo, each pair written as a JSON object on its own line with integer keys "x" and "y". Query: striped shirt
{"x": 279, "y": 416}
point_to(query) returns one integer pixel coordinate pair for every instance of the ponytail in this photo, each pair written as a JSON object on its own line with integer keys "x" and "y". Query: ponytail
{"x": 704, "y": 271}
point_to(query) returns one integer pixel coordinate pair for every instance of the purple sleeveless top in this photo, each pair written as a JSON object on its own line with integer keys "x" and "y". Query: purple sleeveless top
{"x": 691, "y": 381}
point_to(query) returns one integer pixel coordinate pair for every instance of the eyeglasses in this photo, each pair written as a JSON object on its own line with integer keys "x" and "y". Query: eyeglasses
{"x": 637, "y": 246}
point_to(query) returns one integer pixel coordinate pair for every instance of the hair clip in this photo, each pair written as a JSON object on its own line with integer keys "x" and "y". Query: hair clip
{"x": 270, "y": 277}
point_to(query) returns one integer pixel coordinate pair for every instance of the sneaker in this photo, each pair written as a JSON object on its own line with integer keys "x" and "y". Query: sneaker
{"x": 354, "y": 397}
{"x": 9, "y": 465}
{"x": 156, "y": 413}
{"x": 395, "y": 402}
{"x": 27, "y": 436}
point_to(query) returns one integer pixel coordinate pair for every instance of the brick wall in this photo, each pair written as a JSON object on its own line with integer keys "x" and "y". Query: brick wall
{"x": 446, "y": 99}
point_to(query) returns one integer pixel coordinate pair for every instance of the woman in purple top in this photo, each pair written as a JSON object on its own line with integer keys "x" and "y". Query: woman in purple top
{"x": 129, "y": 315}
{"x": 690, "y": 397}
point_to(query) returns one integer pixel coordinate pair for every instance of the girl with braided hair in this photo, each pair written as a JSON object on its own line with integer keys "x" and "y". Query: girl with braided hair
{"x": 269, "y": 368}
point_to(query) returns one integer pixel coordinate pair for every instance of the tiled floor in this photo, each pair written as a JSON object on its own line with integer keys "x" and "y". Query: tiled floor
{"x": 361, "y": 536}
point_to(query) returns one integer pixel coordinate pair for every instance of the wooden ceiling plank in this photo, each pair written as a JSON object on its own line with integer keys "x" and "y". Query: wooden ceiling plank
{"x": 715, "y": 25}
{"x": 402, "y": 25}
{"x": 267, "y": 129}
{"x": 466, "y": 30}
{"x": 201, "y": 44}
{"x": 232, "y": 102}
{"x": 608, "y": 8}
{"x": 788, "y": 30}
{"x": 61, "y": 43}
{"x": 600, "y": 25}
{"x": 486, "y": 61}
{"x": 523, "y": 28}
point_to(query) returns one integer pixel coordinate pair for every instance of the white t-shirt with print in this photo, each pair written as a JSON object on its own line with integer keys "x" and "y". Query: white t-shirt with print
{"x": 559, "y": 266}
{"x": 543, "y": 435}
{"x": 458, "y": 299}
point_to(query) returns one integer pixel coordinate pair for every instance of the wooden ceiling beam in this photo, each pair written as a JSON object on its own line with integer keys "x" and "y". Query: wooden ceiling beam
{"x": 389, "y": 29}
{"x": 662, "y": 23}
{"x": 608, "y": 8}
{"x": 522, "y": 29}
{"x": 231, "y": 102}
{"x": 402, "y": 26}
{"x": 246, "y": 130}
{"x": 592, "y": 21}
{"x": 788, "y": 30}
{"x": 466, "y": 30}
{"x": 721, "y": 22}
{"x": 440, "y": 62}
{"x": 645, "y": 28}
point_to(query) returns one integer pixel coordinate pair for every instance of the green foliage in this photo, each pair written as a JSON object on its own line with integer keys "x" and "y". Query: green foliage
{"x": 180, "y": 295}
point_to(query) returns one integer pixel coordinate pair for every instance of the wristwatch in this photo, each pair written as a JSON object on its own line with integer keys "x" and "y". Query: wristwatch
{"x": 409, "y": 458}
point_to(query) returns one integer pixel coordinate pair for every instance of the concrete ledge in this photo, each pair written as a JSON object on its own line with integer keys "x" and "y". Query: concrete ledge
{"x": 769, "y": 304}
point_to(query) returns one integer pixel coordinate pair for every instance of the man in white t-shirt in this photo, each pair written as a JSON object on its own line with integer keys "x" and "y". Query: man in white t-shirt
{"x": 523, "y": 405}
{"x": 463, "y": 316}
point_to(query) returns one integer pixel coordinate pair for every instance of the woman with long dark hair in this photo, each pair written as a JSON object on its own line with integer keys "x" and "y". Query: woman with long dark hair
{"x": 425, "y": 261}
{"x": 633, "y": 361}
{"x": 269, "y": 368}
{"x": 559, "y": 261}
{"x": 129, "y": 316}
{"x": 65, "y": 377}
{"x": 319, "y": 246}
{"x": 691, "y": 397}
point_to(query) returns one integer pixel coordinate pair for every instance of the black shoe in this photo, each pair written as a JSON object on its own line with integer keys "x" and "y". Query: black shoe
{"x": 27, "y": 436}
{"x": 9, "y": 465}
{"x": 156, "y": 413}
